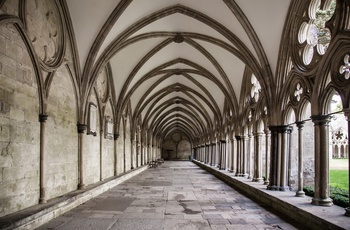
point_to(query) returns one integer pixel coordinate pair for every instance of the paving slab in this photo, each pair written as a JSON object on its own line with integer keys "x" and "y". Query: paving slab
{"x": 176, "y": 195}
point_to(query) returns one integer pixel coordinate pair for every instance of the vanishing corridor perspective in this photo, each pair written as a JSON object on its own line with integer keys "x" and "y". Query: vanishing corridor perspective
{"x": 93, "y": 93}
{"x": 176, "y": 195}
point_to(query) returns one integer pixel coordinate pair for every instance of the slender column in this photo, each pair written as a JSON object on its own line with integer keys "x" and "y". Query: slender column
{"x": 238, "y": 161}
{"x": 81, "y": 129}
{"x": 101, "y": 154}
{"x": 115, "y": 136}
{"x": 234, "y": 155}
{"x": 257, "y": 160}
{"x": 230, "y": 156}
{"x": 142, "y": 149}
{"x": 245, "y": 156}
{"x": 273, "y": 160}
{"x": 42, "y": 120}
{"x": 218, "y": 157}
{"x": 132, "y": 154}
{"x": 249, "y": 157}
{"x": 207, "y": 146}
{"x": 347, "y": 115}
{"x": 321, "y": 128}
{"x": 203, "y": 153}
{"x": 267, "y": 156}
{"x": 284, "y": 158}
{"x": 213, "y": 154}
{"x": 222, "y": 154}
{"x": 137, "y": 149}
{"x": 210, "y": 153}
{"x": 300, "y": 192}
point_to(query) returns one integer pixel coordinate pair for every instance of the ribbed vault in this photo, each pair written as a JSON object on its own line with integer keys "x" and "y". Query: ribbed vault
{"x": 180, "y": 65}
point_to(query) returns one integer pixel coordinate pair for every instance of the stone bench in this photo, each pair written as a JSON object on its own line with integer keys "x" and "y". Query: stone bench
{"x": 153, "y": 164}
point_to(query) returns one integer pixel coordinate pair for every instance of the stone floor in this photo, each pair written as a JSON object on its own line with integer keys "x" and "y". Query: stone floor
{"x": 176, "y": 195}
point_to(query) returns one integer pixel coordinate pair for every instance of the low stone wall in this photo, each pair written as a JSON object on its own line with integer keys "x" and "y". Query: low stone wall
{"x": 37, "y": 215}
{"x": 297, "y": 208}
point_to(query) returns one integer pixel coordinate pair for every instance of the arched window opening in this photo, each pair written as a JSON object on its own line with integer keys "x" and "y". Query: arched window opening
{"x": 338, "y": 144}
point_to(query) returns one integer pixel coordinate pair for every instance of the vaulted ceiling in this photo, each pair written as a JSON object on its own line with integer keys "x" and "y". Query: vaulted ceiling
{"x": 179, "y": 63}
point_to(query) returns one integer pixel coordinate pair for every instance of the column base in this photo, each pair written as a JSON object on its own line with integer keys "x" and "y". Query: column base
{"x": 347, "y": 211}
{"x": 42, "y": 201}
{"x": 258, "y": 179}
{"x": 231, "y": 171}
{"x": 81, "y": 186}
{"x": 284, "y": 188}
{"x": 300, "y": 194}
{"x": 266, "y": 182}
{"x": 244, "y": 175}
{"x": 272, "y": 187}
{"x": 322, "y": 202}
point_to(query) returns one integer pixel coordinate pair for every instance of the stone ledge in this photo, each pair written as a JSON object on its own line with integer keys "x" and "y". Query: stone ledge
{"x": 37, "y": 215}
{"x": 299, "y": 209}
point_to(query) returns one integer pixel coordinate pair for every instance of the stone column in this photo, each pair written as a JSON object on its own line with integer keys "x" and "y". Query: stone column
{"x": 245, "y": 156}
{"x": 300, "y": 192}
{"x": 347, "y": 115}
{"x": 143, "y": 155}
{"x": 81, "y": 129}
{"x": 230, "y": 155}
{"x": 233, "y": 155}
{"x": 279, "y": 158}
{"x": 132, "y": 154}
{"x": 284, "y": 132}
{"x": 258, "y": 158}
{"x": 101, "y": 154}
{"x": 115, "y": 136}
{"x": 239, "y": 159}
{"x": 218, "y": 155}
{"x": 137, "y": 153}
{"x": 267, "y": 156}
{"x": 203, "y": 153}
{"x": 273, "y": 159}
{"x": 249, "y": 156}
{"x": 222, "y": 154}
{"x": 42, "y": 197}
{"x": 209, "y": 154}
{"x": 213, "y": 154}
{"x": 321, "y": 129}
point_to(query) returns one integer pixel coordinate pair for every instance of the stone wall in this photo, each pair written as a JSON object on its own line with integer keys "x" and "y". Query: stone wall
{"x": 176, "y": 150}
{"x": 19, "y": 126}
{"x": 61, "y": 137}
{"x": 39, "y": 76}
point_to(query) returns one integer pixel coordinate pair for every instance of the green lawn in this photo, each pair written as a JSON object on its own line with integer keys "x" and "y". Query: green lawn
{"x": 339, "y": 179}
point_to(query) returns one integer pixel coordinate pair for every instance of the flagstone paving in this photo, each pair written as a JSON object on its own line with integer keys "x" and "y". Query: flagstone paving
{"x": 176, "y": 195}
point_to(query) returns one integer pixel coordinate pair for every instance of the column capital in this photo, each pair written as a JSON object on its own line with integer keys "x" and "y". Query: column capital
{"x": 279, "y": 128}
{"x": 238, "y": 138}
{"x": 320, "y": 120}
{"x": 256, "y": 134}
{"x": 347, "y": 113}
{"x": 222, "y": 141}
{"x": 300, "y": 124}
{"x": 81, "y": 128}
{"x": 116, "y": 136}
{"x": 43, "y": 117}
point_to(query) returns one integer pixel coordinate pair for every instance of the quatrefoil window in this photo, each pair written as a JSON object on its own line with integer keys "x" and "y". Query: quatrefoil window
{"x": 314, "y": 32}
{"x": 345, "y": 69}
{"x": 256, "y": 88}
{"x": 298, "y": 92}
